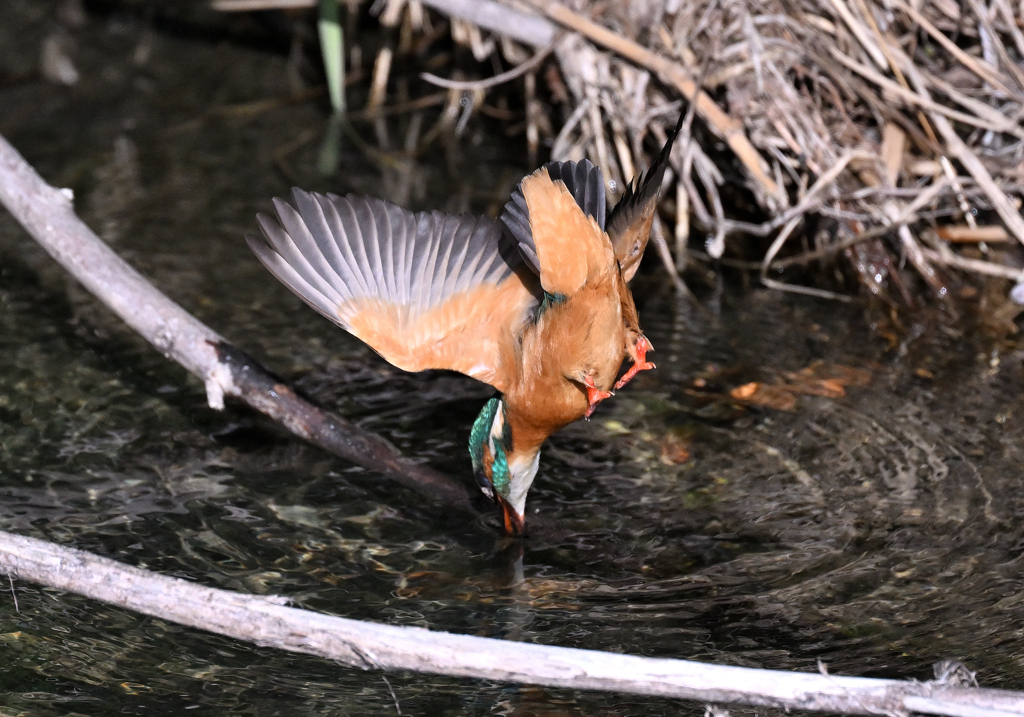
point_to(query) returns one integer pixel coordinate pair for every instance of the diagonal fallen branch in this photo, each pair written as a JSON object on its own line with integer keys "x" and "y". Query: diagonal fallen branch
{"x": 48, "y": 215}
{"x": 265, "y": 620}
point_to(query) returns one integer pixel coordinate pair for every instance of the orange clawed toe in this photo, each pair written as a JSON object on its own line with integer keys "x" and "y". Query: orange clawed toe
{"x": 640, "y": 362}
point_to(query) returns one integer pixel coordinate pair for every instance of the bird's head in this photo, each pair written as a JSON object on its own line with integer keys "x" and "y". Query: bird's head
{"x": 504, "y": 475}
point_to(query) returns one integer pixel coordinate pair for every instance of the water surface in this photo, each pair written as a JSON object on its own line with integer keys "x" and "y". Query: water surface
{"x": 877, "y": 532}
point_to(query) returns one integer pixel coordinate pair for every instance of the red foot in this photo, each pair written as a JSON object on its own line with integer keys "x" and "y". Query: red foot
{"x": 640, "y": 362}
{"x": 594, "y": 395}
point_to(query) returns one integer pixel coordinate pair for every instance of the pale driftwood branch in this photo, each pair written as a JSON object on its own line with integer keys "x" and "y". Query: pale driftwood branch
{"x": 48, "y": 215}
{"x": 267, "y": 621}
{"x": 525, "y": 27}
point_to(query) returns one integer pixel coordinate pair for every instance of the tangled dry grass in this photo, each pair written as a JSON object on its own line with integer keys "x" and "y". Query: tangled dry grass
{"x": 880, "y": 136}
{"x": 884, "y": 133}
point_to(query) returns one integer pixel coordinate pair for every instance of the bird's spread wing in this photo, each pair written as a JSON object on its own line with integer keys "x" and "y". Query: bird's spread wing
{"x": 582, "y": 180}
{"x": 425, "y": 290}
{"x": 569, "y": 246}
{"x": 629, "y": 224}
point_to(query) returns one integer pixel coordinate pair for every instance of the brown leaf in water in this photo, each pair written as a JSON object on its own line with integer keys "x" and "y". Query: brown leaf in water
{"x": 818, "y": 379}
{"x": 744, "y": 392}
{"x": 828, "y": 380}
{"x": 675, "y": 449}
{"x": 828, "y": 387}
{"x": 767, "y": 395}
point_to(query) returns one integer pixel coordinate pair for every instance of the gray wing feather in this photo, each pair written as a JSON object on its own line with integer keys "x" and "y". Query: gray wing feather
{"x": 430, "y": 265}
{"x": 457, "y": 268}
{"x": 586, "y": 185}
{"x": 423, "y": 247}
{"x": 516, "y": 219}
{"x": 291, "y": 278}
{"x": 361, "y": 225}
{"x": 444, "y": 256}
{"x": 315, "y": 226}
{"x": 370, "y": 223}
{"x": 476, "y": 263}
{"x": 331, "y": 250}
{"x": 286, "y": 246}
{"x": 299, "y": 242}
{"x": 409, "y": 252}
{"x": 351, "y": 240}
{"x": 351, "y": 275}
{"x": 387, "y": 253}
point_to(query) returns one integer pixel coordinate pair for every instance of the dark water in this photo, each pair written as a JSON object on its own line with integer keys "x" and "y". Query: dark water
{"x": 878, "y": 532}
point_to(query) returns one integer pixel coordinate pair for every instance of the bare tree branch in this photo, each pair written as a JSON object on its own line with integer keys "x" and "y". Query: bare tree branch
{"x": 48, "y": 215}
{"x": 265, "y": 620}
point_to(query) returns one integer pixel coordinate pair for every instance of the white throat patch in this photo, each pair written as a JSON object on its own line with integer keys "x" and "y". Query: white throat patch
{"x": 522, "y": 472}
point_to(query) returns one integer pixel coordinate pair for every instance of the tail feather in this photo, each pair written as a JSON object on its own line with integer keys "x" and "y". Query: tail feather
{"x": 629, "y": 224}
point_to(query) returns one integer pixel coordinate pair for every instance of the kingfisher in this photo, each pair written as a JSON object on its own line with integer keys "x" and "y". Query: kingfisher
{"x": 535, "y": 303}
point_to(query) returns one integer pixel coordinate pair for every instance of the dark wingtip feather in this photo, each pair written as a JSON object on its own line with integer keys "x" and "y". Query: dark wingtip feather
{"x": 516, "y": 220}
{"x": 584, "y": 182}
{"x": 287, "y": 275}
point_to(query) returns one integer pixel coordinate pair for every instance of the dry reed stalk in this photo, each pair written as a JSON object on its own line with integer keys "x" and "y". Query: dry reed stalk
{"x": 379, "y": 84}
{"x": 989, "y": 234}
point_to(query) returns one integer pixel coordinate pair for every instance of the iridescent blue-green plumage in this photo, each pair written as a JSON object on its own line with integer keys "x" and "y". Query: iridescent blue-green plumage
{"x": 546, "y": 303}
{"x": 481, "y": 437}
